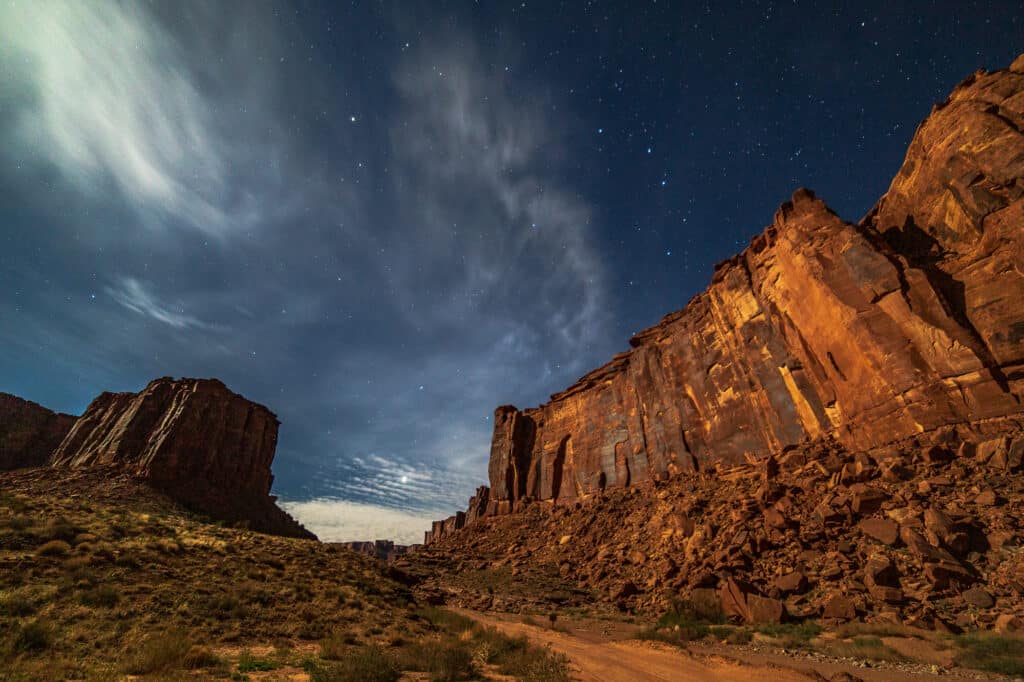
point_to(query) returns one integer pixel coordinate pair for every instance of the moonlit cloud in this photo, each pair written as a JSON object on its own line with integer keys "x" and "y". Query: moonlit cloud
{"x": 342, "y": 521}
{"x": 134, "y": 296}
{"x": 113, "y": 100}
{"x": 379, "y": 256}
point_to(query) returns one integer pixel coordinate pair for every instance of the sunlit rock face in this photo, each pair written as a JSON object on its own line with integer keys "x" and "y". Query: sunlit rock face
{"x": 909, "y": 321}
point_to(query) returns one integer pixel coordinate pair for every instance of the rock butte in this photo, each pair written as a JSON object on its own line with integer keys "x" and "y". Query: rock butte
{"x": 908, "y": 322}
{"x": 194, "y": 439}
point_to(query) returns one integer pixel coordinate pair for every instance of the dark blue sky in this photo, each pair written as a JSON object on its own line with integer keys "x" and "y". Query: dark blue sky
{"x": 382, "y": 220}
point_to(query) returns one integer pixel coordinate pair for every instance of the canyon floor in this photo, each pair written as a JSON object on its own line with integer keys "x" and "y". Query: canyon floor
{"x": 102, "y": 578}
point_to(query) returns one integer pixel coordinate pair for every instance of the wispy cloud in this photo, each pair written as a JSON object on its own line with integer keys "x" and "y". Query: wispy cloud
{"x": 392, "y": 257}
{"x": 334, "y": 520}
{"x": 134, "y": 295}
{"x": 114, "y": 102}
{"x": 480, "y": 174}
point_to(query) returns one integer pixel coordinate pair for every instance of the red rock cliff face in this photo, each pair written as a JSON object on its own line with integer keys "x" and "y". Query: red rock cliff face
{"x": 907, "y": 322}
{"x": 194, "y": 438}
{"x": 29, "y": 432}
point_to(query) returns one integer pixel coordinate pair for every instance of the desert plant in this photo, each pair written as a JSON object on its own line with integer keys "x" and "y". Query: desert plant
{"x": 17, "y": 604}
{"x": 449, "y": 661}
{"x": 103, "y": 595}
{"x": 247, "y": 663}
{"x": 33, "y": 637}
{"x": 369, "y": 664}
{"x": 866, "y": 647}
{"x": 198, "y": 658}
{"x": 53, "y": 548}
{"x": 337, "y": 645}
{"x": 534, "y": 664}
{"x": 995, "y": 653}
{"x": 791, "y": 635}
{"x": 158, "y": 653}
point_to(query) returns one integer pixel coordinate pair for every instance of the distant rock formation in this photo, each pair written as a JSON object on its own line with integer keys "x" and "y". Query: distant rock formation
{"x": 384, "y": 550}
{"x": 194, "y": 439}
{"x": 29, "y": 433}
{"x": 862, "y": 334}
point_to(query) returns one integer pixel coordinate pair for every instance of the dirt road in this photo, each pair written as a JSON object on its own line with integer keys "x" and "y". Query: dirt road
{"x": 616, "y": 658}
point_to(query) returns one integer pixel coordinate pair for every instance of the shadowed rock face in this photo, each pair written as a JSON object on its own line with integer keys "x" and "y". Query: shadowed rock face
{"x": 29, "y": 432}
{"x": 193, "y": 438}
{"x": 910, "y": 321}
{"x": 190, "y": 434}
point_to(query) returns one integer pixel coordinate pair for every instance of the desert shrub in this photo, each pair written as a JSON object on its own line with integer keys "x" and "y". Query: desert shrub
{"x": 127, "y": 560}
{"x": 312, "y": 630}
{"x": 199, "y": 657}
{"x": 13, "y": 502}
{"x": 247, "y": 663}
{"x": 689, "y": 611}
{"x": 686, "y": 632}
{"x": 995, "y": 653}
{"x": 446, "y": 620}
{"x": 730, "y": 633}
{"x": 158, "y": 653}
{"x": 225, "y": 607}
{"x": 337, "y": 645}
{"x": 369, "y": 664}
{"x": 32, "y": 637}
{"x": 17, "y": 605}
{"x": 449, "y": 661}
{"x": 60, "y": 529}
{"x": 103, "y": 595}
{"x": 54, "y": 548}
{"x": 534, "y": 664}
{"x": 19, "y": 522}
{"x": 866, "y": 647}
{"x": 791, "y": 635}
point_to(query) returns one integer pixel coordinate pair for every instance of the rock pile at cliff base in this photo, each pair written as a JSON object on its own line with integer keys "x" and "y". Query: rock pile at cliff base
{"x": 832, "y": 429}
{"x": 925, "y": 533}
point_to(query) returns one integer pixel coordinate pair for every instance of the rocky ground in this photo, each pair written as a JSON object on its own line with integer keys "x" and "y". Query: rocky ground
{"x": 925, "y": 535}
{"x": 103, "y": 578}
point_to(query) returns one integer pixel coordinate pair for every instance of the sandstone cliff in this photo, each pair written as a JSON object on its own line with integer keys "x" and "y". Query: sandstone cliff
{"x": 861, "y": 334}
{"x": 194, "y": 439}
{"x": 29, "y": 432}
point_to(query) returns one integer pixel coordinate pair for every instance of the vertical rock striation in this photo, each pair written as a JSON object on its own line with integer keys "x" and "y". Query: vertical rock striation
{"x": 909, "y": 321}
{"x": 203, "y": 444}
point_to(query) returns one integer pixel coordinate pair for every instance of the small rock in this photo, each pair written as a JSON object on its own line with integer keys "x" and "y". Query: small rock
{"x": 977, "y": 596}
{"x": 839, "y": 607}
{"x": 1007, "y": 623}
{"x": 883, "y": 530}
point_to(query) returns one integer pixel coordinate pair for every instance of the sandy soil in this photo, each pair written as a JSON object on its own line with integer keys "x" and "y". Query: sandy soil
{"x": 604, "y": 653}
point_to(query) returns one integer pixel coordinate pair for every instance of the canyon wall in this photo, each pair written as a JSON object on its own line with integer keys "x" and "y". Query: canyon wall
{"x": 194, "y": 439}
{"x": 907, "y": 322}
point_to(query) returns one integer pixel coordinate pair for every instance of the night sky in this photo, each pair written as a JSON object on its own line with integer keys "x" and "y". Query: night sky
{"x": 383, "y": 220}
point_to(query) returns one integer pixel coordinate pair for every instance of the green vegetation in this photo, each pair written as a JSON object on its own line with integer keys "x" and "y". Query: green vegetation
{"x": 791, "y": 635}
{"x": 1003, "y": 654}
{"x": 864, "y": 646}
{"x": 247, "y": 663}
{"x": 158, "y": 653}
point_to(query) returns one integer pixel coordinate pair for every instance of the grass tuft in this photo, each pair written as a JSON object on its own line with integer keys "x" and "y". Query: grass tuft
{"x": 158, "y": 653}
{"x": 1003, "y": 654}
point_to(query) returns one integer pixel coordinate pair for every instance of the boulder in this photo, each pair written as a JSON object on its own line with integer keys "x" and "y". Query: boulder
{"x": 764, "y": 609}
{"x": 883, "y": 530}
{"x": 839, "y": 607}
